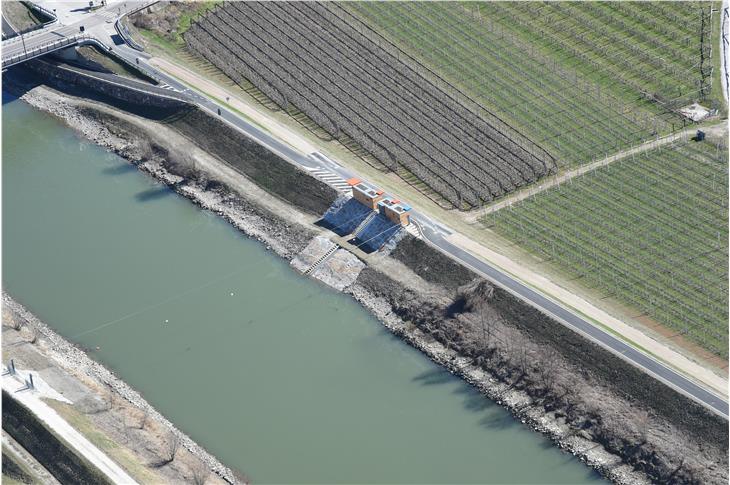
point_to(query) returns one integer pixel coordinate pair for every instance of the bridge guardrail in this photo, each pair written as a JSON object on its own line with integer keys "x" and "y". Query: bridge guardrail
{"x": 126, "y": 35}
{"x": 123, "y": 30}
{"x": 44, "y": 11}
{"x": 43, "y": 49}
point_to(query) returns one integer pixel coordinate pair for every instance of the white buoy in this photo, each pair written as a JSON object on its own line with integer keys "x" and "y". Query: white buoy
{"x": 167, "y": 321}
{"x": 231, "y": 293}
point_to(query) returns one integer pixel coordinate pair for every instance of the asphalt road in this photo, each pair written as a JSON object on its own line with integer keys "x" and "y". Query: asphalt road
{"x": 46, "y": 37}
{"x": 8, "y": 29}
{"x": 434, "y": 234}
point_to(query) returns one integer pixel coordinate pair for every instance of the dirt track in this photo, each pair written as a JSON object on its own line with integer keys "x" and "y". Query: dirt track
{"x": 473, "y": 216}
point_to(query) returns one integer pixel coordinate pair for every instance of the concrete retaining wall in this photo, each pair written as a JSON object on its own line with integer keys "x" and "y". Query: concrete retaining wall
{"x": 110, "y": 85}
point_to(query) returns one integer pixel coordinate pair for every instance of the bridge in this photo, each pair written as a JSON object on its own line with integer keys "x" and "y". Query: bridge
{"x": 86, "y": 26}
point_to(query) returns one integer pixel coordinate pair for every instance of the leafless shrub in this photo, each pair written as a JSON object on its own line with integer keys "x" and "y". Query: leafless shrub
{"x": 110, "y": 397}
{"x": 172, "y": 446}
{"x": 16, "y": 324}
{"x": 143, "y": 419}
{"x": 33, "y": 338}
{"x": 200, "y": 472}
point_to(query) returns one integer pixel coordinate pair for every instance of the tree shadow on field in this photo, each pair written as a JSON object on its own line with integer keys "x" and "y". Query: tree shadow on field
{"x": 153, "y": 194}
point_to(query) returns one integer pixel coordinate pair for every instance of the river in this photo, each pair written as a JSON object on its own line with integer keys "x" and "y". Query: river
{"x": 276, "y": 375}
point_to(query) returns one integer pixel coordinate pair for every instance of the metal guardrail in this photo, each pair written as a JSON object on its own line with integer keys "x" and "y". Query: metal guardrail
{"x": 45, "y": 49}
{"x": 126, "y": 35}
{"x": 123, "y": 30}
{"x": 44, "y": 11}
{"x": 28, "y": 30}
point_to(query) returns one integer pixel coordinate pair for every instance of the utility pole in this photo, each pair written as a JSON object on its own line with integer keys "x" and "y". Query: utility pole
{"x": 22, "y": 39}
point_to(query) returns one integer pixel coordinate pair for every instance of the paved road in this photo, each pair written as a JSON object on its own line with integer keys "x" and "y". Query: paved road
{"x": 8, "y": 29}
{"x": 58, "y": 35}
{"x": 434, "y": 233}
{"x": 650, "y": 365}
{"x": 31, "y": 399}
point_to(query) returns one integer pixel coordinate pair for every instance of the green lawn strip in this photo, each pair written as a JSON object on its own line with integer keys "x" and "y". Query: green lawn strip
{"x": 186, "y": 18}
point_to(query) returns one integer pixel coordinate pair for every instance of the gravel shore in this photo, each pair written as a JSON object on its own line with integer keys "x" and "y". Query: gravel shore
{"x": 73, "y": 359}
{"x": 517, "y": 402}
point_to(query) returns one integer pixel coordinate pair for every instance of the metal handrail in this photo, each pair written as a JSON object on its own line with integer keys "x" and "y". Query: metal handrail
{"x": 43, "y": 49}
{"x": 126, "y": 35}
{"x": 44, "y": 11}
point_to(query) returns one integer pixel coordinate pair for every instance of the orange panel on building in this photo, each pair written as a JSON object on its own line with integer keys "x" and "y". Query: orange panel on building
{"x": 366, "y": 195}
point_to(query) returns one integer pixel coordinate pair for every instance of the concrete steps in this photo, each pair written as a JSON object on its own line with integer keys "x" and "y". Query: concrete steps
{"x": 364, "y": 223}
{"x": 322, "y": 259}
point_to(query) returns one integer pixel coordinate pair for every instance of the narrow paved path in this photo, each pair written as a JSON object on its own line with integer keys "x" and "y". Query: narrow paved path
{"x": 550, "y": 182}
{"x": 15, "y": 384}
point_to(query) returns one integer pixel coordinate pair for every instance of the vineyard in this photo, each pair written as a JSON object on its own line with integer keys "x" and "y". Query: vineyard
{"x": 582, "y": 79}
{"x": 322, "y": 61}
{"x": 650, "y": 230}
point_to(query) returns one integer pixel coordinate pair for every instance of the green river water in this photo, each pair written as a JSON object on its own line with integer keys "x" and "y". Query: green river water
{"x": 277, "y": 376}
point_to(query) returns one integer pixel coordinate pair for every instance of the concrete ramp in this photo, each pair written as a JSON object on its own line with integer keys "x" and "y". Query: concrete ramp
{"x": 324, "y": 260}
{"x": 317, "y": 249}
{"x": 339, "y": 270}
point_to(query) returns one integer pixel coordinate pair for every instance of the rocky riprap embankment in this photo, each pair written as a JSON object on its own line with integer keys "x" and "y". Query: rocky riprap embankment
{"x": 283, "y": 238}
{"x": 589, "y": 443}
{"x": 74, "y": 359}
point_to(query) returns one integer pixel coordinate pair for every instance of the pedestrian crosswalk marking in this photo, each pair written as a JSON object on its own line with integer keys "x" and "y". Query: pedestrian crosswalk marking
{"x": 332, "y": 179}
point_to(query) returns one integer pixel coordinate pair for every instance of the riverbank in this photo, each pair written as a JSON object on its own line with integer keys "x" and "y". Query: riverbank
{"x": 104, "y": 408}
{"x": 286, "y": 229}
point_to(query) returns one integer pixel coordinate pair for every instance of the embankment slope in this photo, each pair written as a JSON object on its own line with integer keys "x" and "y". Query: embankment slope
{"x": 620, "y": 420}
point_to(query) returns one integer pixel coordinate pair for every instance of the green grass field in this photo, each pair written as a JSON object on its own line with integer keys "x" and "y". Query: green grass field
{"x": 650, "y": 230}
{"x": 581, "y": 79}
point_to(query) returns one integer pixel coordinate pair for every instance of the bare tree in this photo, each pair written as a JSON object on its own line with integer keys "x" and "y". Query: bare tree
{"x": 485, "y": 323}
{"x": 143, "y": 419}
{"x": 642, "y": 424}
{"x": 200, "y": 472}
{"x": 523, "y": 358}
{"x": 33, "y": 338}
{"x": 110, "y": 396}
{"x": 172, "y": 446}
{"x": 548, "y": 367}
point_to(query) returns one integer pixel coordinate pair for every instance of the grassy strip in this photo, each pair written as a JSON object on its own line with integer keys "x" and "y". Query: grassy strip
{"x": 101, "y": 440}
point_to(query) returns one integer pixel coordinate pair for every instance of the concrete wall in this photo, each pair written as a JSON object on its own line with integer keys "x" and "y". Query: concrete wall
{"x": 110, "y": 85}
